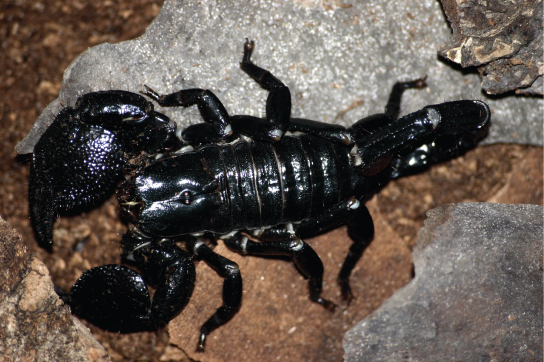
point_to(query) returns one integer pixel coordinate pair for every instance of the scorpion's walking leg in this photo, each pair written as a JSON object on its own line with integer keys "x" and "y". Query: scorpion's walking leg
{"x": 213, "y": 112}
{"x": 286, "y": 241}
{"x": 374, "y": 122}
{"x": 361, "y": 231}
{"x": 278, "y": 103}
{"x": 304, "y": 257}
{"x": 232, "y": 289}
{"x": 360, "y": 228}
{"x": 392, "y": 109}
{"x": 116, "y": 298}
{"x": 333, "y": 132}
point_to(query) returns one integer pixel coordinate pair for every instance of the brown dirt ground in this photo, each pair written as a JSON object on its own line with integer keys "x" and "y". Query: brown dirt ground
{"x": 40, "y": 39}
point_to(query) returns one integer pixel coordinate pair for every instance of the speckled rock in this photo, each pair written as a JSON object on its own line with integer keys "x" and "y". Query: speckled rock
{"x": 35, "y": 325}
{"x": 476, "y": 296}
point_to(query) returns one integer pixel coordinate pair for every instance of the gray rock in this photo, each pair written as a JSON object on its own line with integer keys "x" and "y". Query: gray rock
{"x": 339, "y": 62}
{"x": 477, "y": 293}
{"x": 35, "y": 325}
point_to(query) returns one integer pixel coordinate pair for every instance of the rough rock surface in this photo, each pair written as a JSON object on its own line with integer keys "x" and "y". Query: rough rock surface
{"x": 35, "y": 325}
{"x": 504, "y": 39}
{"x": 339, "y": 64}
{"x": 476, "y": 295}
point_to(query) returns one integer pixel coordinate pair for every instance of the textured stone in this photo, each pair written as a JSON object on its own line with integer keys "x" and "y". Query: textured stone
{"x": 34, "y": 323}
{"x": 503, "y": 38}
{"x": 476, "y": 296}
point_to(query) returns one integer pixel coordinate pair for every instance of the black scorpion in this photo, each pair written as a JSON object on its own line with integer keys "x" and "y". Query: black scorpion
{"x": 260, "y": 185}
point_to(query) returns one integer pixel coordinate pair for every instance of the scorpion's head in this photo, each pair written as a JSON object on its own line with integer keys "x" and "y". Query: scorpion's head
{"x": 176, "y": 196}
{"x": 80, "y": 157}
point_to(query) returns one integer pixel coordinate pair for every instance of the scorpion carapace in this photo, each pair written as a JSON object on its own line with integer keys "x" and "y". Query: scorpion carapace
{"x": 260, "y": 185}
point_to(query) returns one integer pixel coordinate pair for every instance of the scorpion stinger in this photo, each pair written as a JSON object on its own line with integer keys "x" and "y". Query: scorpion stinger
{"x": 242, "y": 179}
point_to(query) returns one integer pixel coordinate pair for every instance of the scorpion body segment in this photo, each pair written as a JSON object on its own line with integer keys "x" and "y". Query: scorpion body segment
{"x": 243, "y": 185}
{"x": 262, "y": 185}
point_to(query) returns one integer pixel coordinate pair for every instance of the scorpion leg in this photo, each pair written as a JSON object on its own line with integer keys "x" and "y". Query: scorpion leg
{"x": 360, "y": 228}
{"x": 331, "y": 218}
{"x": 116, "y": 298}
{"x": 278, "y": 103}
{"x": 361, "y": 231}
{"x": 333, "y": 132}
{"x": 302, "y": 254}
{"x": 213, "y": 112}
{"x": 369, "y": 124}
{"x": 392, "y": 109}
{"x": 232, "y": 289}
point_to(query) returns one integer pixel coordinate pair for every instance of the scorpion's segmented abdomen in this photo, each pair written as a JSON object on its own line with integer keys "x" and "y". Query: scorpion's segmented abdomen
{"x": 288, "y": 181}
{"x": 296, "y": 178}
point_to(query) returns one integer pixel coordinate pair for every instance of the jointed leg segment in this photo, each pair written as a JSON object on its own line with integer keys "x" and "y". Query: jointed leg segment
{"x": 232, "y": 289}
{"x": 278, "y": 103}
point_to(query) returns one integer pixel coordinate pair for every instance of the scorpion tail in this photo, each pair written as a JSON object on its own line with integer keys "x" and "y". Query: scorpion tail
{"x": 468, "y": 125}
{"x": 433, "y": 134}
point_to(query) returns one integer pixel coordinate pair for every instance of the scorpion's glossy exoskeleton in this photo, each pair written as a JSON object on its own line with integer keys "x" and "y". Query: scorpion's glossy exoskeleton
{"x": 277, "y": 180}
